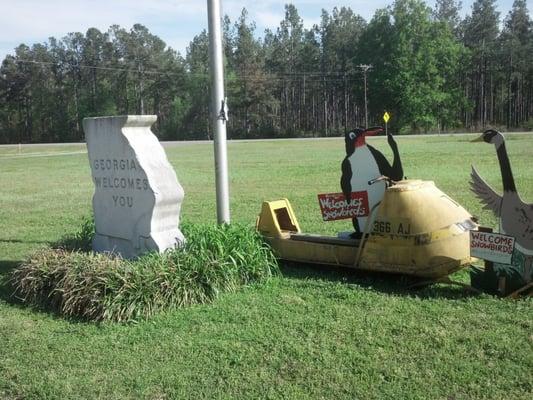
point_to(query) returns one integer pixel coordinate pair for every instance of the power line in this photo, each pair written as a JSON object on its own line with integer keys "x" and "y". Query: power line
{"x": 149, "y": 72}
{"x": 269, "y": 76}
{"x": 365, "y": 68}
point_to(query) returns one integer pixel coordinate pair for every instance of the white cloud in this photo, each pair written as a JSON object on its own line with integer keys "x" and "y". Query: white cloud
{"x": 268, "y": 18}
{"x": 174, "y": 21}
{"x": 31, "y": 21}
{"x": 310, "y": 22}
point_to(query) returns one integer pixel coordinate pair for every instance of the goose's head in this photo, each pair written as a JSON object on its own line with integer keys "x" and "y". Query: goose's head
{"x": 356, "y": 138}
{"x": 491, "y": 136}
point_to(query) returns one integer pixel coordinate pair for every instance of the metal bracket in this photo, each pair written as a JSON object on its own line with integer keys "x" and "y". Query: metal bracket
{"x": 223, "y": 113}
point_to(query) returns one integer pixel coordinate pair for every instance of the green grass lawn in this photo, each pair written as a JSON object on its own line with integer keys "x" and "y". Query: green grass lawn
{"x": 309, "y": 333}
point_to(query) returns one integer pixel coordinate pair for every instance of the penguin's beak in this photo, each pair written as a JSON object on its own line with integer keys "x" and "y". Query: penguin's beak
{"x": 373, "y": 131}
{"x": 478, "y": 139}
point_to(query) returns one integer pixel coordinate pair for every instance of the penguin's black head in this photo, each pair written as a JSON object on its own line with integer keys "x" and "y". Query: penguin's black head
{"x": 356, "y": 137}
{"x": 351, "y": 138}
{"x": 490, "y": 136}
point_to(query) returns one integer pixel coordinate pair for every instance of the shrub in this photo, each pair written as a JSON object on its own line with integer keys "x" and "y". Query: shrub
{"x": 100, "y": 287}
{"x": 81, "y": 240}
{"x": 528, "y": 126}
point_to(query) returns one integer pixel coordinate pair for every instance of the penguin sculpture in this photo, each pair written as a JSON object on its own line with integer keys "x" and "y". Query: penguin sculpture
{"x": 364, "y": 163}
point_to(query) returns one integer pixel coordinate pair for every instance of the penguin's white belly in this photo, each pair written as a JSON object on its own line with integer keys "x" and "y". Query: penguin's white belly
{"x": 365, "y": 168}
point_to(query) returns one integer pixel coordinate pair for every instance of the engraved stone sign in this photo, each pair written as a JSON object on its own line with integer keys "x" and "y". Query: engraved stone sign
{"x": 137, "y": 197}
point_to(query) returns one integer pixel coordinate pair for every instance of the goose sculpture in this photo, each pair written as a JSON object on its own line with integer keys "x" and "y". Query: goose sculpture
{"x": 516, "y": 216}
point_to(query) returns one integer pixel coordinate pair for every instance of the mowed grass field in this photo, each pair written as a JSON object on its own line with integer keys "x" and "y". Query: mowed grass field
{"x": 309, "y": 333}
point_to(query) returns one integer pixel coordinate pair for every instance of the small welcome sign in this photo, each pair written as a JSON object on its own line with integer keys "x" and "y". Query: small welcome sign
{"x": 492, "y": 246}
{"x": 334, "y": 206}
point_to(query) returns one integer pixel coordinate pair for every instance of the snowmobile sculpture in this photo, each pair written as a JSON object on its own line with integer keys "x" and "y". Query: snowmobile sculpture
{"x": 413, "y": 228}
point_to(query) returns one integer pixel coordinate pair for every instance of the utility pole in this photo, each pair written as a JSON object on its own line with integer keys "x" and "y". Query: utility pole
{"x": 218, "y": 110}
{"x": 141, "y": 89}
{"x": 365, "y": 68}
{"x": 345, "y": 105}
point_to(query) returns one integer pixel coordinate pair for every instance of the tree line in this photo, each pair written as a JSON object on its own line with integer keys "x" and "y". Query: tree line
{"x": 430, "y": 69}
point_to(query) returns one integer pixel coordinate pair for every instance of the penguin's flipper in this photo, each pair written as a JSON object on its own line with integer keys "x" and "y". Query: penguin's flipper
{"x": 383, "y": 164}
{"x": 346, "y": 178}
{"x": 397, "y": 168}
{"x": 394, "y": 171}
{"x": 390, "y": 140}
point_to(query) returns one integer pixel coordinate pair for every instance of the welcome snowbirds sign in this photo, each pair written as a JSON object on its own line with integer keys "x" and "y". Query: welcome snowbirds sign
{"x": 492, "y": 246}
{"x": 334, "y": 206}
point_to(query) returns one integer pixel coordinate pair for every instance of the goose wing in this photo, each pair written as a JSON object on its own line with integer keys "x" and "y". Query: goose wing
{"x": 482, "y": 190}
{"x": 521, "y": 225}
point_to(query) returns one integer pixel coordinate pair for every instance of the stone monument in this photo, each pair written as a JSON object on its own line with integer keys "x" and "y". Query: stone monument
{"x": 137, "y": 197}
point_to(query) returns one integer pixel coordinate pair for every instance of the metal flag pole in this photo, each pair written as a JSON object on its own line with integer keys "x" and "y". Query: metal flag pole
{"x": 218, "y": 110}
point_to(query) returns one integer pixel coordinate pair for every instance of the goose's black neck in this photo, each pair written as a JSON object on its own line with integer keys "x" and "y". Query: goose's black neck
{"x": 505, "y": 167}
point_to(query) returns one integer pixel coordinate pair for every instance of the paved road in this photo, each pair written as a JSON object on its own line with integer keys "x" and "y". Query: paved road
{"x": 197, "y": 142}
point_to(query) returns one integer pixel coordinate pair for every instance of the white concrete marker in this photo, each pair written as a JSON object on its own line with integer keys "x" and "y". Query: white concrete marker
{"x": 137, "y": 197}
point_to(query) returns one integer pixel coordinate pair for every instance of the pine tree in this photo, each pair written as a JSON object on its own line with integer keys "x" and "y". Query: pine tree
{"x": 516, "y": 44}
{"x": 480, "y": 37}
{"x": 252, "y": 98}
{"x": 448, "y": 11}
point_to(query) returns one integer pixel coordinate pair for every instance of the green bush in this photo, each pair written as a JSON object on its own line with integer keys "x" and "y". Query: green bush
{"x": 99, "y": 287}
{"x": 81, "y": 240}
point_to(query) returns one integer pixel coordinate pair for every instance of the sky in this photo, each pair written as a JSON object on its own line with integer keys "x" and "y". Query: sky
{"x": 174, "y": 21}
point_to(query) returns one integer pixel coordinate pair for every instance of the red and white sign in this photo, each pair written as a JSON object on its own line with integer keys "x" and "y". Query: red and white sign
{"x": 492, "y": 246}
{"x": 334, "y": 206}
